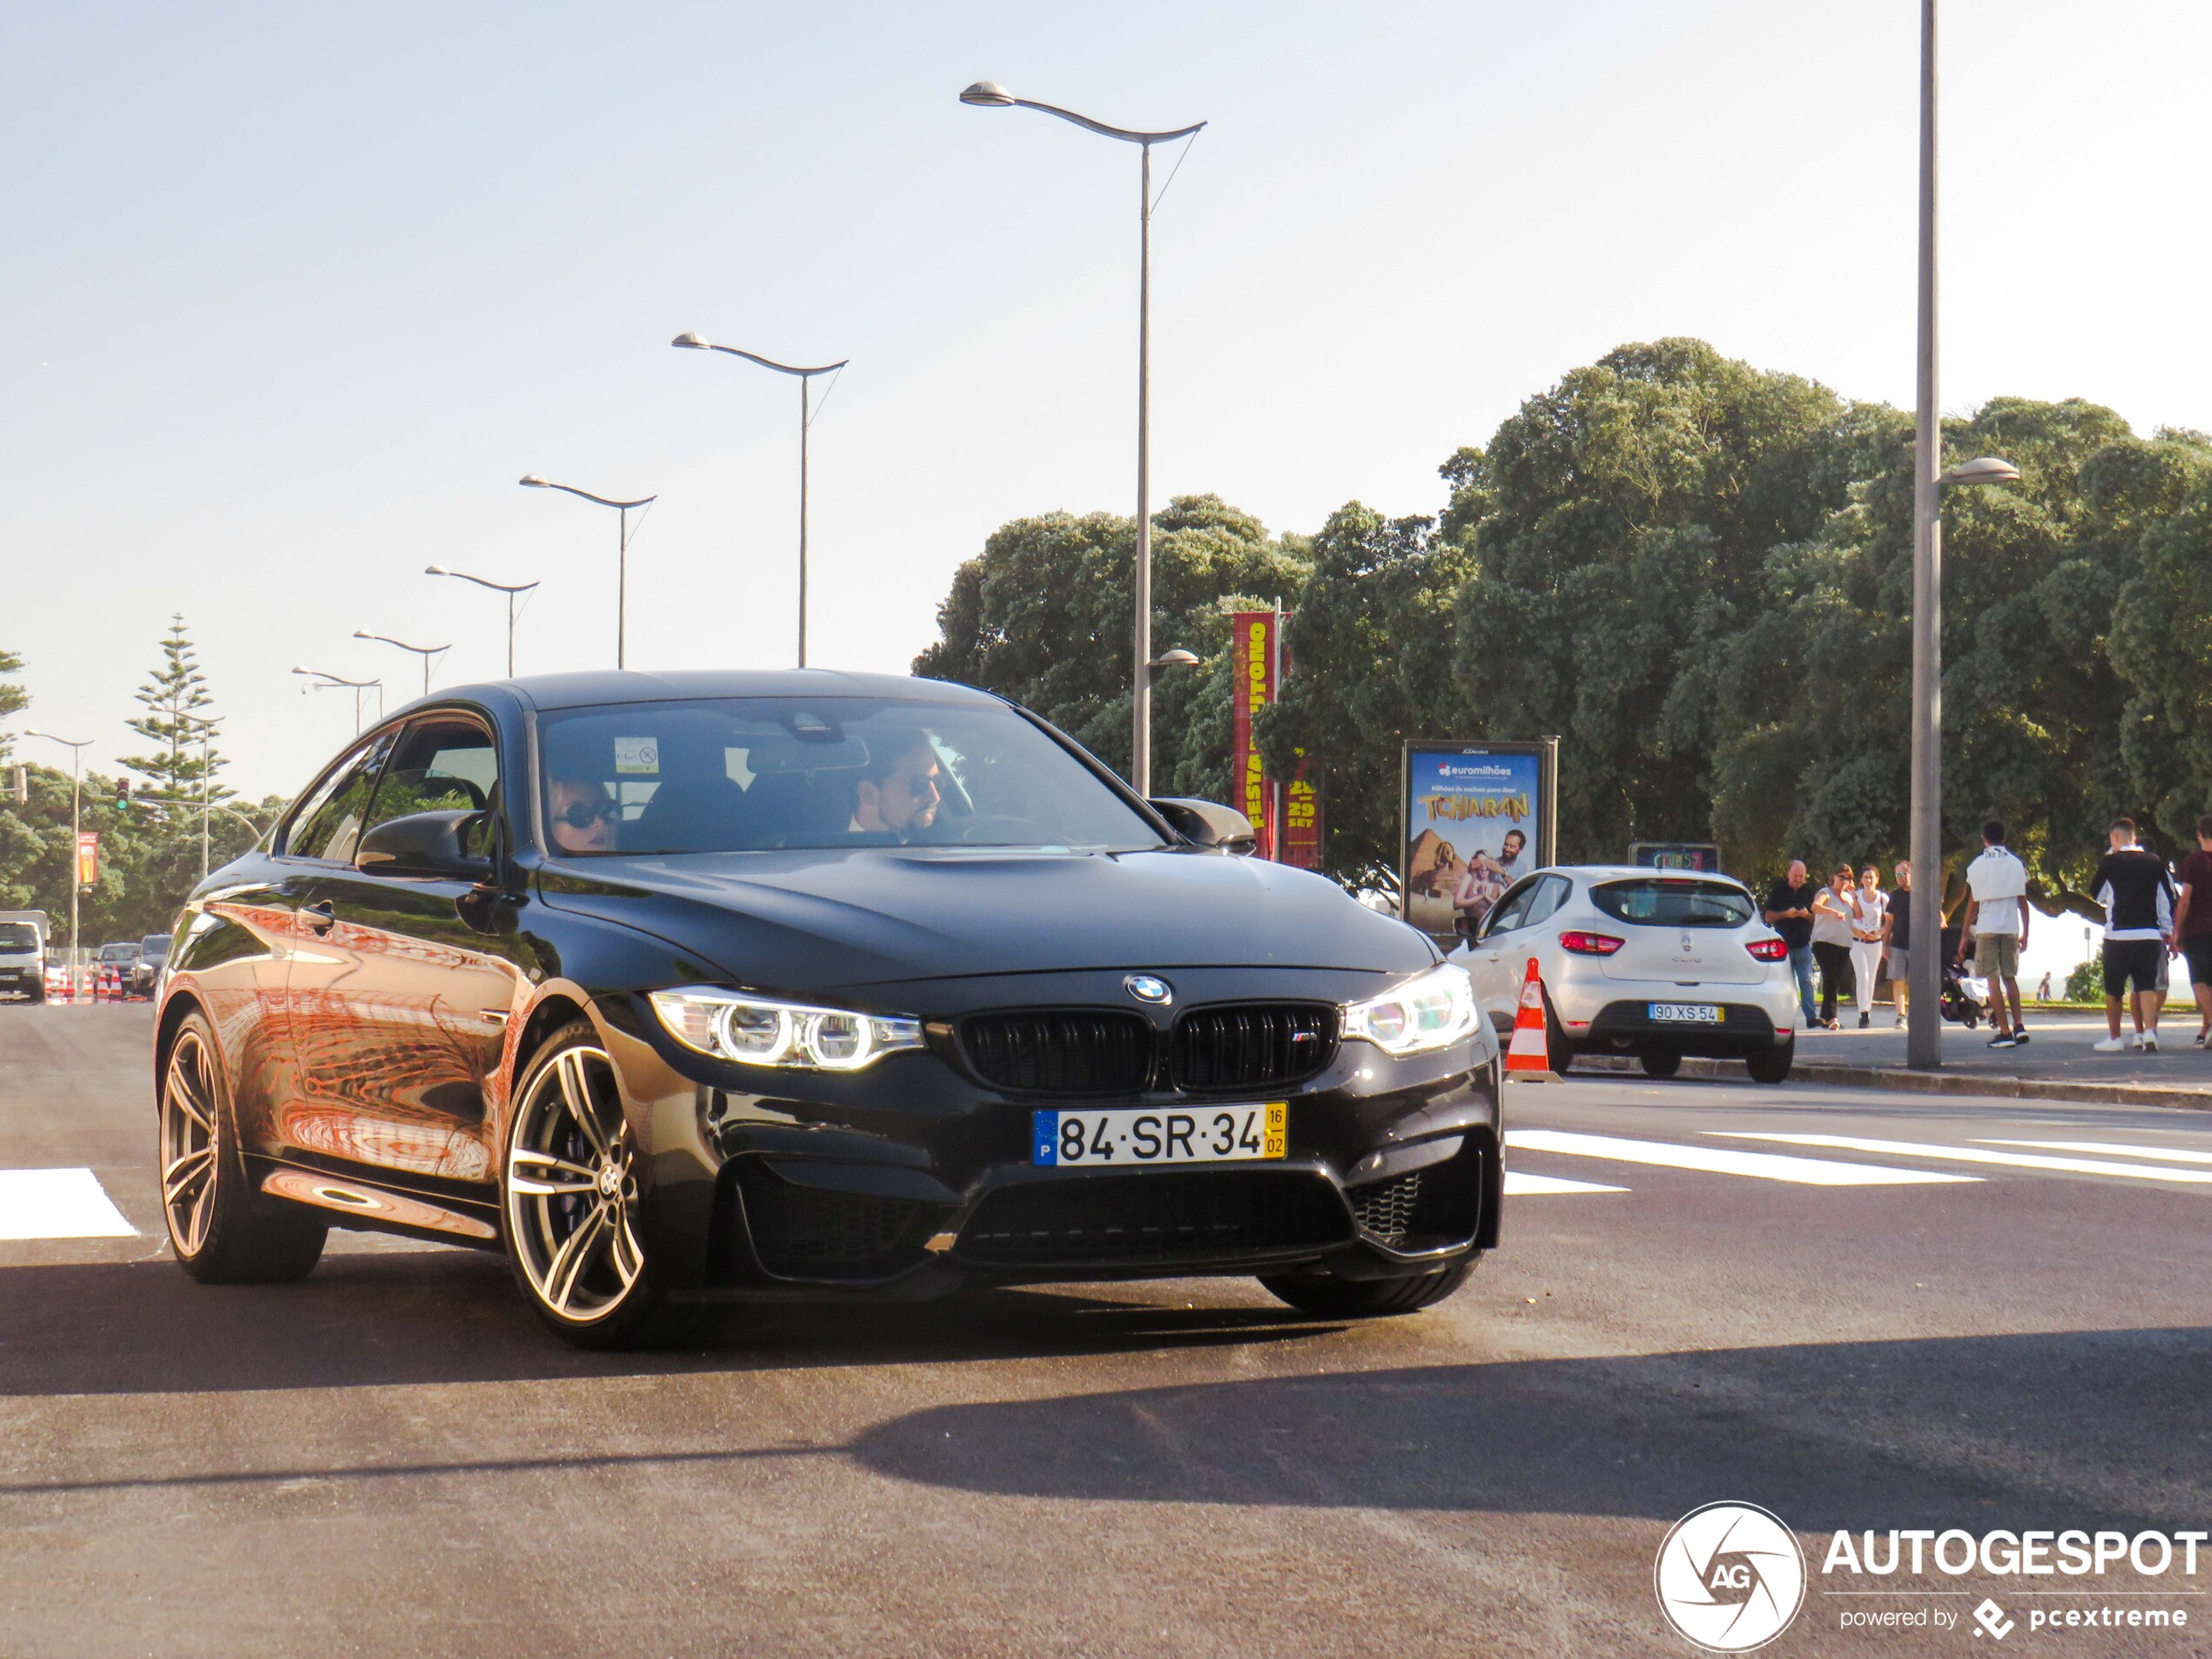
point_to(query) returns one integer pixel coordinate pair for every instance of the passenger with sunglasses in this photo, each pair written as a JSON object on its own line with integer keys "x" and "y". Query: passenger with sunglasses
{"x": 583, "y": 815}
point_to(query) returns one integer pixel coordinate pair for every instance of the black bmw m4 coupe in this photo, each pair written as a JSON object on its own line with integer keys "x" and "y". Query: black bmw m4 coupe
{"x": 690, "y": 989}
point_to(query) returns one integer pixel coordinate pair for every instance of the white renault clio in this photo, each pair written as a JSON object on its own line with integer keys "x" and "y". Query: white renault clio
{"x": 1655, "y": 963}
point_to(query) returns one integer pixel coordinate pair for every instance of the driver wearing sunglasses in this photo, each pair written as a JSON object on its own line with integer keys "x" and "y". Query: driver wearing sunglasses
{"x": 583, "y": 815}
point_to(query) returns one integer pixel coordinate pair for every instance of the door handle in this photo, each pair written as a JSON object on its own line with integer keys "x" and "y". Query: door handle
{"x": 320, "y": 917}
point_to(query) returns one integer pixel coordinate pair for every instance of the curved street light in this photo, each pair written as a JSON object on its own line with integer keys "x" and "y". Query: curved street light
{"x": 426, "y": 652}
{"x": 531, "y": 481}
{"x": 805, "y": 377}
{"x": 511, "y": 589}
{"x": 324, "y": 680}
{"x": 990, "y": 95}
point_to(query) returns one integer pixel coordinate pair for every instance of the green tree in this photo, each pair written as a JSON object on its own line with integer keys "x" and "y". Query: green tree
{"x": 13, "y": 698}
{"x": 1042, "y": 616}
{"x": 173, "y": 697}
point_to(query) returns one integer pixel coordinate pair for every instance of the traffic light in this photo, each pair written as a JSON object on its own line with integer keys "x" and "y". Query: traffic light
{"x": 123, "y": 793}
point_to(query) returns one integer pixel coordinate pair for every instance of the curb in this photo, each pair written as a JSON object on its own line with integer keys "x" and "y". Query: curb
{"x": 1933, "y": 1082}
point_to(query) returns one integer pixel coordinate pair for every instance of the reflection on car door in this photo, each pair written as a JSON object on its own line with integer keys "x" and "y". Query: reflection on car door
{"x": 1497, "y": 981}
{"x": 403, "y": 1029}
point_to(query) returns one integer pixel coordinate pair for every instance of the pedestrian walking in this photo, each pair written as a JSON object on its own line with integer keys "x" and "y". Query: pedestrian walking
{"x": 1997, "y": 922}
{"x": 2193, "y": 925}
{"x": 2133, "y": 885}
{"x": 1832, "y": 937}
{"x": 1897, "y": 940}
{"x": 1788, "y": 912}
{"x": 2043, "y": 987}
{"x": 1869, "y": 907}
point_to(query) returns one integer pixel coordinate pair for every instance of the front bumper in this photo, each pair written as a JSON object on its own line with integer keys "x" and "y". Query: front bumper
{"x": 913, "y": 1178}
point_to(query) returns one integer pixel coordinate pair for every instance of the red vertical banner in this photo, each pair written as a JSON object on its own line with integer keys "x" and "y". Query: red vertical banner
{"x": 1252, "y": 633}
{"x": 88, "y": 858}
{"x": 1302, "y": 815}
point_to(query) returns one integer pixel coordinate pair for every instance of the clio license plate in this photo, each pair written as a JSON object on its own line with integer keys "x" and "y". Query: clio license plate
{"x": 1687, "y": 1013}
{"x": 1148, "y": 1136}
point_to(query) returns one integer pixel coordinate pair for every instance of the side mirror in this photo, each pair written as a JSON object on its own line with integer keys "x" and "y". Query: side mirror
{"x": 430, "y": 844}
{"x": 1205, "y": 824}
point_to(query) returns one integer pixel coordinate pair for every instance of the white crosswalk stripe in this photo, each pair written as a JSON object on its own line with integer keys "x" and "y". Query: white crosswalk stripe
{"x": 2120, "y": 1149}
{"x": 1716, "y": 1160}
{"x": 58, "y": 1203}
{"x": 1521, "y": 1184}
{"x": 1976, "y": 1154}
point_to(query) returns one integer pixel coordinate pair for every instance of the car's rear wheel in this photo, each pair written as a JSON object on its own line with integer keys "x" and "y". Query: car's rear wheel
{"x": 222, "y": 1231}
{"x": 1771, "y": 1065}
{"x": 1661, "y": 1065}
{"x": 573, "y": 1227}
{"x": 1366, "y": 1298}
{"x": 1557, "y": 1049}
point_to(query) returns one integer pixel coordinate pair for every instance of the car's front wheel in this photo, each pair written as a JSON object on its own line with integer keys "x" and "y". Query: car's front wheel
{"x": 1771, "y": 1065}
{"x": 222, "y": 1231}
{"x": 1367, "y": 1299}
{"x": 573, "y": 1226}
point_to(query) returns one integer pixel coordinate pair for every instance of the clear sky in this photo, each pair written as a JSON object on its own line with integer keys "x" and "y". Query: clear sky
{"x": 291, "y": 295}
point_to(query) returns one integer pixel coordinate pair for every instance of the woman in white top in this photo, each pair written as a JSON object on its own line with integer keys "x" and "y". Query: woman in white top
{"x": 1832, "y": 920}
{"x": 1868, "y": 906}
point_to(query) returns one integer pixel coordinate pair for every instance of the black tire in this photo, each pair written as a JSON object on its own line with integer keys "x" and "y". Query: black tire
{"x": 37, "y": 993}
{"x": 1771, "y": 1065}
{"x": 1557, "y": 1049}
{"x": 1367, "y": 1299}
{"x": 220, "y": 1230}
{"x": 1660, "y": 1065}
{"x": 569, "y": 1125}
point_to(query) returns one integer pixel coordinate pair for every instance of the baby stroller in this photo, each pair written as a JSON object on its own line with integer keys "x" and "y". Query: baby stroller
{"x": 1959, "y": 1002}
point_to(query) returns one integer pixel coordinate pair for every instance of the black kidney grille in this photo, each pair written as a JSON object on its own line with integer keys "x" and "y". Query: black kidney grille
{"x": 1252, "y": 1047}
{"x": 1388, "y": 1208}
{"x": 1073, "y": 1052}
{"x": 1101, "y": 1221}
{"x": 799, "y": 1232}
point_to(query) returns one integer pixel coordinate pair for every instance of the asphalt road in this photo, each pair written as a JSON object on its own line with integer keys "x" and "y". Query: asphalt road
{"x": 392, "y": 1458}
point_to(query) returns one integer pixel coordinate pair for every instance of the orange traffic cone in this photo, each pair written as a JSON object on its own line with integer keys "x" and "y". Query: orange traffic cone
{"x": 1528, "y": 1056}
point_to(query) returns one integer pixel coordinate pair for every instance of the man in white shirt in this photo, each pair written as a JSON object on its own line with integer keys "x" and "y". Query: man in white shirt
{"x": 1997, "y": 922}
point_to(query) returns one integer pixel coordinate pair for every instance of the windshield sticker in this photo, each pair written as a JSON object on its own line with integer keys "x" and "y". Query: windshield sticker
{"x": 637, "y": 754}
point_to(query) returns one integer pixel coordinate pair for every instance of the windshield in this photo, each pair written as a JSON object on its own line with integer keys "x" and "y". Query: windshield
{"x": 155, "y": 945}
{"x": 748, "y": 775}
{"x": 118, "y": 953}
{"x": 18, "y": 935}
{"x": 1674, "y": 901}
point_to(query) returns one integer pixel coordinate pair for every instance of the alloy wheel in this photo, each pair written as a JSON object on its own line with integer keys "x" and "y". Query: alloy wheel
{"x": 572, "y": 1189}
{"x": 189, "y": 1143}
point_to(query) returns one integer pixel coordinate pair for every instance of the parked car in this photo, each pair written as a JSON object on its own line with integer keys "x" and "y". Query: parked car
{"x": 695, "y": 988}
{"x": 1637, "y": 961}
{"x": 146, "y": 971}
{"x": 122, "y": 955}
{"x": 23, "y": 957}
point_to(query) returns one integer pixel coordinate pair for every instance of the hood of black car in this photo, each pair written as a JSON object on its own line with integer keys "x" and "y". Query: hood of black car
{"x": 814, "y": 921}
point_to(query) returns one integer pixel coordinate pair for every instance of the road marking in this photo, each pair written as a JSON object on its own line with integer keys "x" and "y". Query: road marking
{"x": 1970, "y": 1155}
{"x": 1521, "y": 1184}
{"x": 1715, "y": 1160}
{"x": 2121, "y": 1148}
{"x": 58, "y": 1203}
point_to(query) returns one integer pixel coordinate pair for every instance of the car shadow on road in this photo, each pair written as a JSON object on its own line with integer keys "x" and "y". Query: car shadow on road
{"x": 2078, "y": 1429}
{"x": 457, "y": 1316}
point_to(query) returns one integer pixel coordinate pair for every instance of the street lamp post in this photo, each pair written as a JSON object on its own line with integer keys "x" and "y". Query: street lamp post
{"x": 509, "y": 589}
{"x": 991, "y": 95}
{"x": 207, "y": 759}
{"x": 426, "y": 652}
{"x": 75, "y": 828}
{"x": 324, "y": 679}
{"x": 806, "y": 424}
{"x": 531, "y": 481}
{"x": 1924, "y": 1032}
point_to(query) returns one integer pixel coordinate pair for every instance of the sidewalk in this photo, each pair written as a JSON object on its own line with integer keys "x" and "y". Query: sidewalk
{"x": 2058, "y": 1062}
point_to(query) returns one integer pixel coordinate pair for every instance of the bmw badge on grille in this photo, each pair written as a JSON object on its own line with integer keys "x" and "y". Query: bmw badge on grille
{"x": 1147, "y": 987}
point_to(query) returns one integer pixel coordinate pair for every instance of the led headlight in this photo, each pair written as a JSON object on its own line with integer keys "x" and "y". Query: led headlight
{"x": 1433, "y": 1011}
{"x": 757, "y": 1031}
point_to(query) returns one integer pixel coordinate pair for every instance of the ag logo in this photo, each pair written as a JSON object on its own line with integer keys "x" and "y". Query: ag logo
{"x": 1730, "y": 1577}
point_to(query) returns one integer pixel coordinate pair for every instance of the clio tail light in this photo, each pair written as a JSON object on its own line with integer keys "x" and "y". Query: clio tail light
{"x": 1768, "y": 950}
{"x": 1590, "y": 944}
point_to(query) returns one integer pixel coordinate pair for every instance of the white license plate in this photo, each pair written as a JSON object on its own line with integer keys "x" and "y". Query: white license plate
{"x": 1687, "y": 1013}
{"x": 1191, "y": 1135}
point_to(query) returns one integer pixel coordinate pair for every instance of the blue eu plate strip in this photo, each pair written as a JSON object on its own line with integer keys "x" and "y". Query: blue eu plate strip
{"x": 1045, "y": 1131}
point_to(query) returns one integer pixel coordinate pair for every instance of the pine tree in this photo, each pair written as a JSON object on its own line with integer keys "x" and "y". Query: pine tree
{"x": 173, "y": 699}
{"x": 13, "y": 698}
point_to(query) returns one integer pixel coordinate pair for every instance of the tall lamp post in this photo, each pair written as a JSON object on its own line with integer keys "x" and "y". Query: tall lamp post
{"x": 324, "y": 680}
{"x": 76, "y": 827}
{"x": 531, "y": 481}
{"x": 1924, "y": 1032}
{"x": 206, "y": 781}
{"x": 805, "y": 377}
{"x": 991, "y": 95}
{"x": 509, "y": 589}
{"x": 426, "y": 652}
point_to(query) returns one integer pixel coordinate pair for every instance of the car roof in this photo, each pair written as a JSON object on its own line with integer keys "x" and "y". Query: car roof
{"x": 596, "y": 686}
{"x": 1614, "y": 872}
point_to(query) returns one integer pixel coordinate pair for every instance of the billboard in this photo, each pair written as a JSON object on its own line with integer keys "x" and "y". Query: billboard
{"x": 1474, "y": 818}
{"x": 1286, "y": 817}
{"x": 88, "y": 859}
